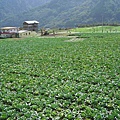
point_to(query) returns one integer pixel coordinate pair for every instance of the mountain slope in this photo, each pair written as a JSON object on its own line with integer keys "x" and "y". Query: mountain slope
{"x": 86, "y": 12}
{"x": 10, "y": 8}
{"x": 68, "y": 13}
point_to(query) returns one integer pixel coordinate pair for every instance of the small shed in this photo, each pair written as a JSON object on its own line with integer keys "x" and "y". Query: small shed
{"x": 31, "y": 25}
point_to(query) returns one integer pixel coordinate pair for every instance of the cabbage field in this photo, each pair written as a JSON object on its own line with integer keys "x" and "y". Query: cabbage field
{"x": 53, "y": 79}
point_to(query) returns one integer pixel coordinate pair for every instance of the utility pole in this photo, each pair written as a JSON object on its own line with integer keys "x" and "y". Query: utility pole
{"x": 102, "y": 23}
{"x": 0, "y": 26}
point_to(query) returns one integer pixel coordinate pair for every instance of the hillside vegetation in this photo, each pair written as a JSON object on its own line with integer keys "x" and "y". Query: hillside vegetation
{"x": 69, "y": 13}
{"x": 9, "y": 9}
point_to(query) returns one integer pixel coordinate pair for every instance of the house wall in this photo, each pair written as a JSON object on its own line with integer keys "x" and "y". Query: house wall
{"x": 9, "y": 35}
{"x": 30, "y": 27}
{"x": 5, "y": 35}
{"x": 14, "y": 30}
{"x": 27, "y": 34}
{"x": 9, "y": 32}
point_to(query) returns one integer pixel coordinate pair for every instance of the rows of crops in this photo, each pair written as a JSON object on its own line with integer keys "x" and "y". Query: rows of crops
{"x": 50, "y": 79}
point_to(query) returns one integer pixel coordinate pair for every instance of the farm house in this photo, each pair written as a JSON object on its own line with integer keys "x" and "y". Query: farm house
{"x": 31, "y": 25}
{"x": 26, "y": 33}
{"x": 8, "y": 32}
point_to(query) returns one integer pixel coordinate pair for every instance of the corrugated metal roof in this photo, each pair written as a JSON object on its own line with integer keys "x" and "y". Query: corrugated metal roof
{"x": 31, "y": 22}
{"x": 7, "y": 28}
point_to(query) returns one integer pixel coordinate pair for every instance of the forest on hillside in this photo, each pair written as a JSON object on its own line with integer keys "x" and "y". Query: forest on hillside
{"x": 60, "y": 13}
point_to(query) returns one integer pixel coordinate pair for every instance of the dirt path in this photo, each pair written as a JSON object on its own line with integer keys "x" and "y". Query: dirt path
{"x": 74, "y": 39}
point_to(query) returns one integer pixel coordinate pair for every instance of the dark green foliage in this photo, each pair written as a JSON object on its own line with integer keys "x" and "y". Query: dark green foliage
{"x": 69, "y": 13}
{"x": 10, "y": 9}
{"x": 50, "y": 78}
